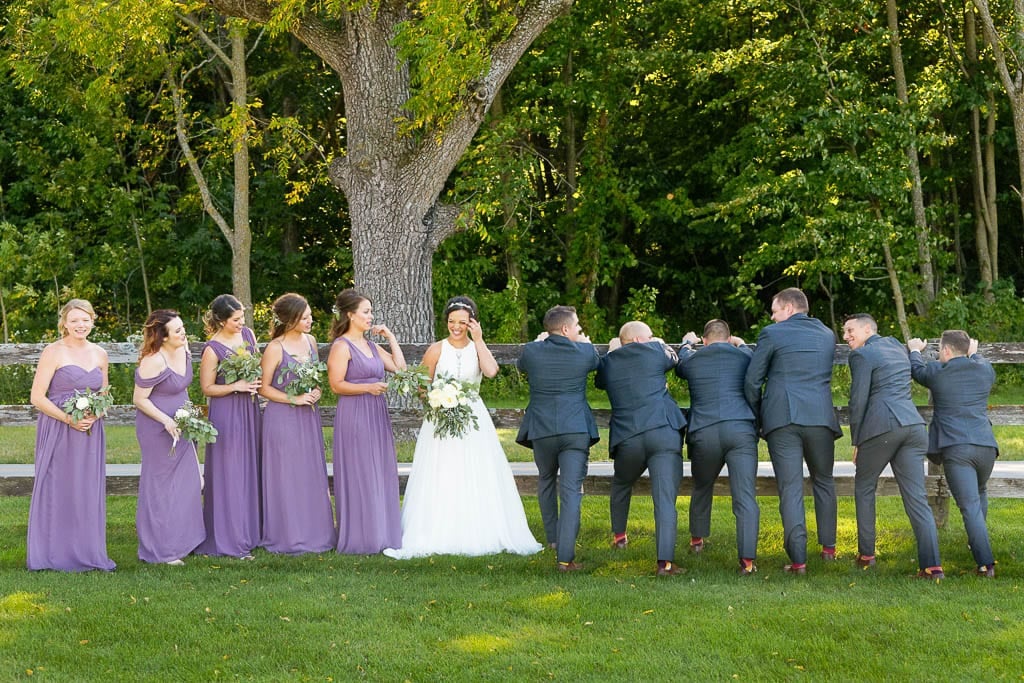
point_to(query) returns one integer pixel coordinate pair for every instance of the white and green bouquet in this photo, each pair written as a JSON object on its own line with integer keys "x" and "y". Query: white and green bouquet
{"x": 307, "y": 376}
{"x": 88, "y": 403}
{"x": 412, "y": 381}
{"x": 194, "y": 426}
{"x": 448, "y": 406}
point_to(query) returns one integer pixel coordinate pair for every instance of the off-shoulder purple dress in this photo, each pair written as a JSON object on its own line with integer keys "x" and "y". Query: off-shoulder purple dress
{"x": 297, "y": 514}
{"x": 169, "y": 514}
{"x": 231, "y": 492}
{"x": 365, "y": 463}
{"x": 67, "y": 517}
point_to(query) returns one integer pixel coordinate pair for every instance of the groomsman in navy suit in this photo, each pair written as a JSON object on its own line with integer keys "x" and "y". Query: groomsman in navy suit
{"x": 559, "y": 426}
{"x": 645, "y": 434}
{"x": 722, "y": 431}
{"x": 887, "y": 429}
{"x": 960, "y": 435}
{"x": 793, "y": 363}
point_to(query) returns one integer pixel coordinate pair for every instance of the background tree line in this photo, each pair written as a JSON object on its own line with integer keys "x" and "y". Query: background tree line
{"x": 666, "y": 159}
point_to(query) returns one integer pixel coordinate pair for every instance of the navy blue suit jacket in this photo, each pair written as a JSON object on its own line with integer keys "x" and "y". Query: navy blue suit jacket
{"x": 634, "y": 377}
{"x": 557, "y": 370}
{"x": 793, "y": 361}
{"x": 960, "y": 390}
{"x": 880, "y": 389}
{"x": 716, "y": 375}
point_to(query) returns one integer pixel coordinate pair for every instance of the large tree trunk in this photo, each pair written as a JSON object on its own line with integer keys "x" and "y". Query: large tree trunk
{"x": 391, "y": 177}
{"x": 924, "y": 254}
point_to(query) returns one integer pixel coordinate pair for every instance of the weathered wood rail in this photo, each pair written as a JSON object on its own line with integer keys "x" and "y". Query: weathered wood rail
{"x": 407, "y": 421}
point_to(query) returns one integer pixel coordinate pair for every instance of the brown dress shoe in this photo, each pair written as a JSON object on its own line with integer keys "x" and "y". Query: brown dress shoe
{"x": 569, "y": 567}
{"x": 670, "y": 569}
{"x": 828, "y": 553}
{"x": 934, "y": 573}
{"x": 620, "y": 543}
{"x": 697, "y": 547}
{"x": 747, "y": 569}
{"x": 865, "y": 561}
{"x": 988, "y": 572}
{"x": 798, "y": 569}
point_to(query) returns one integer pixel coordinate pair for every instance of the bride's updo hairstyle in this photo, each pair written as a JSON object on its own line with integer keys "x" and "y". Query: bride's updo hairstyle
{"x": 221, "y": 308}
{"x": 461, "y": 303}
{"x": 347, "y": 302}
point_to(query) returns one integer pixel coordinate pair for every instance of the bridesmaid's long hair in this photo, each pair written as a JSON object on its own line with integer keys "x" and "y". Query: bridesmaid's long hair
{"x": 154, "y": 332}
{"x": 221, "y": 308}
{"x": 288, "y": 310}
{"x": 65, "y": 311}
{"x": 347, "y": 302}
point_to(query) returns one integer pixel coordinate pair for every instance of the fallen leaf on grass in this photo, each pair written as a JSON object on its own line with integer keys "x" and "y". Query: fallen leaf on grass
{"x": 648, "y": 611}
{"x": 284, "y": 618}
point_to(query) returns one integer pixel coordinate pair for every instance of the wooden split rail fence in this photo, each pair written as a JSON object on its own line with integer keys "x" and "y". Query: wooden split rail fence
{"x": 407, "y": 421}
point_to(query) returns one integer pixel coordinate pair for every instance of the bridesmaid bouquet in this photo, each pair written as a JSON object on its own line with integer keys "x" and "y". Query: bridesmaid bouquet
{"x": 88, "y": 403}
{"x": 309, "y": 375}
{"x": 409, "y": 382}
{"x": 241, "y": 364}
{"x": 193, "y": 425}
{"x": 448, "y": 406}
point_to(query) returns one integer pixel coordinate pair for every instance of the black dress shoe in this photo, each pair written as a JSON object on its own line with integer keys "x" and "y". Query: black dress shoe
{"x": 865, "y": 561}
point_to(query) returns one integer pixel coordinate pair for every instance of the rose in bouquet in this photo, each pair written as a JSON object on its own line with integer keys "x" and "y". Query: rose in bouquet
{"x": 193, "y": 425}
{"x": 448, "y": 406}
{"x": 306, "y": 376}
{"x": 240, "y": 364}
{"x": 88, "y": 403}
{"x": 410, "y": 382}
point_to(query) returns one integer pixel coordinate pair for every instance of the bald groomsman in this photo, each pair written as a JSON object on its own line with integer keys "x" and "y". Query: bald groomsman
{"x": 644, "y": 434}
{"x": 722, "y": 431}
{"x": 793, "y": 364}
{"x": 960, "y": 435}
{"x": 887, "y": 429}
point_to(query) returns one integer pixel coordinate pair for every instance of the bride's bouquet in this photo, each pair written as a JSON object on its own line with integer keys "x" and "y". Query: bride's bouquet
{"x": 448, "y": 406}
{"x": 193, "y": 425}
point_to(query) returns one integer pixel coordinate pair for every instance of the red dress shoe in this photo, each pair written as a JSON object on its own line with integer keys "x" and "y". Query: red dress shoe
{"x": 569, "y": 567}
{"x": 988, "y": 572}
{"x": 865, "y": 561}
{"x": 798, "y": 569}
{"x": 934, "y": 573}
{"x": 670, "y": 569}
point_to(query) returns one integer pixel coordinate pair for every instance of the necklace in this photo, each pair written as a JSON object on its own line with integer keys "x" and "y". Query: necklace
{"x": 458, "y": 359}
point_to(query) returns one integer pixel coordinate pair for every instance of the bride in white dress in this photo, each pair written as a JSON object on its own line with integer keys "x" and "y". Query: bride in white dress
{"x": 461, "y": 497}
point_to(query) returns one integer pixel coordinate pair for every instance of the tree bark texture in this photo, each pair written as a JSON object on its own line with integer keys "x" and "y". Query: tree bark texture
{"x": 391, "y": 178}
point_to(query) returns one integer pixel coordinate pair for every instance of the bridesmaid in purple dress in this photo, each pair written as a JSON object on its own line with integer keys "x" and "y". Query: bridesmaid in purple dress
{"x": 169, "y": 515}
{"x": 231, "y": 494}
{"x": 67, "y": 517}
{"x": 297, "y": 515}
{"x": 365, "y": 464}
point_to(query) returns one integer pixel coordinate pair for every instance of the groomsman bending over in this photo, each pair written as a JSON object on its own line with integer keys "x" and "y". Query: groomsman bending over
{"x": 886, "y": 429}
{"x": 559, "y": 426}
{"x": 793, "y": 362}
{"x": 722, "y": 431}
{"x": 960, "y": 433}
{"x": 644, "y": 434}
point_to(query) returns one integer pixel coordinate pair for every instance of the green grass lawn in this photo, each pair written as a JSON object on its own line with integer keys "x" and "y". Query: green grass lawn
{"x": 17, "y": 445}
{"x": 340, "y": 618}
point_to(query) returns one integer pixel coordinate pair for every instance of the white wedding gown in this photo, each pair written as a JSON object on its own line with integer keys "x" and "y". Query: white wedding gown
{"x": 461, "y": 497}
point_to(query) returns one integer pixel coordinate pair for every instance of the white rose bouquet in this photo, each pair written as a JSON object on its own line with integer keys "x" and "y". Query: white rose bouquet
{"x": 88, "y": 403}
{"x": 194, "y": 426}
{"x": 448, "y": 406}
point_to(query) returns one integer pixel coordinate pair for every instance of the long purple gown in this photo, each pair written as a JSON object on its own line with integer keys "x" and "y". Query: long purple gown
{"x": 231, "y": 493}
{"x": 169, "y": 514}
{"x": 297, "y": 514}
{"x": 67, "y": 517}
{"x": 365, "y": 465}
